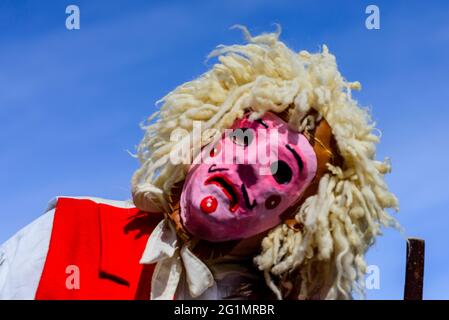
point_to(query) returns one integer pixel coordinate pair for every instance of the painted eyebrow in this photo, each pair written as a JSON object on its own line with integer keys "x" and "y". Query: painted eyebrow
{"x": 297, "y": 157}
{"x": 262, "y": 123}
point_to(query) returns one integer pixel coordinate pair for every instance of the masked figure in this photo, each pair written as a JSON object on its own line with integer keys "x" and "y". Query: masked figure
{"x": 258, "y": 180}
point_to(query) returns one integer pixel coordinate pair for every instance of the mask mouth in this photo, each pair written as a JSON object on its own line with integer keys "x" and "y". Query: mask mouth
{"x": 228, "y": 189}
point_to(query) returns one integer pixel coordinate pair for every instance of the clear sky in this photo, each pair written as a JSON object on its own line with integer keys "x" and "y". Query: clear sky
{"x": 71, "y": 101}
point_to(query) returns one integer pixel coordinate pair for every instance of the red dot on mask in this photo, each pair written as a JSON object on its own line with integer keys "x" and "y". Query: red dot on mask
{"x": 209, "y": 204}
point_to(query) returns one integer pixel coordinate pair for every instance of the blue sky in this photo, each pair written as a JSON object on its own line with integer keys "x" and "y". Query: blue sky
{"x": 71, "y": 101}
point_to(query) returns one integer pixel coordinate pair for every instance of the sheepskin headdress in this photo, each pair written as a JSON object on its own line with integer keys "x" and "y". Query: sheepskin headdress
{"x": 347, "y": 212}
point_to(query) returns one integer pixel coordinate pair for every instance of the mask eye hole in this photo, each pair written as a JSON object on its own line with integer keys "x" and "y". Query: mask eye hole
{"x": 242, "y": 136}
{"x": 281, "y": 172}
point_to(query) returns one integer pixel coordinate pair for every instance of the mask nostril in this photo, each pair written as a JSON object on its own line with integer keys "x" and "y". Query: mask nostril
{"x": 247, "y": 174}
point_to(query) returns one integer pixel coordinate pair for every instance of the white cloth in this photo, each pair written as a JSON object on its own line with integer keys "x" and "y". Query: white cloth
{"x": 22, "y": 259}
{"x": 162, "y": 248}
{"x": 181, "y": 274}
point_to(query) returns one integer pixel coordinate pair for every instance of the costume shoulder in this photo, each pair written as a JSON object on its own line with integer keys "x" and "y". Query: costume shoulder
{"x": 24, "y": 257}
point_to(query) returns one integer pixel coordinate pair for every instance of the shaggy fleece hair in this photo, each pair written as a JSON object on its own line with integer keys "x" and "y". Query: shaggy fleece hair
{"x": 342, "y": 219}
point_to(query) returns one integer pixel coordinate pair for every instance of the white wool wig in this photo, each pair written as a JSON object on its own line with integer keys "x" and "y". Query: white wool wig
{"x": 341, "y": 221}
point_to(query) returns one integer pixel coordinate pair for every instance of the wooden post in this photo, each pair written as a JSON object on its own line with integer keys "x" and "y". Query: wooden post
{"x": 414, "y": 273}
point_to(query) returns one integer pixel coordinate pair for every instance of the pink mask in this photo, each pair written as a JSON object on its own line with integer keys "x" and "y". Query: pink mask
{"x": 246, "y": 181}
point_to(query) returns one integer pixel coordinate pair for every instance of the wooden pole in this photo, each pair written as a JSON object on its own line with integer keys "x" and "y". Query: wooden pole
{"x": 414, "y": 274}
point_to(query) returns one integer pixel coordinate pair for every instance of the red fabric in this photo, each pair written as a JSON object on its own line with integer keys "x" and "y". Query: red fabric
{"x": 106, "y": 244}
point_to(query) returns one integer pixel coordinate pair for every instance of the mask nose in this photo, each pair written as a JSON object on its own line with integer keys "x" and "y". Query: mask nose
{"x": 247, "y": 174}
